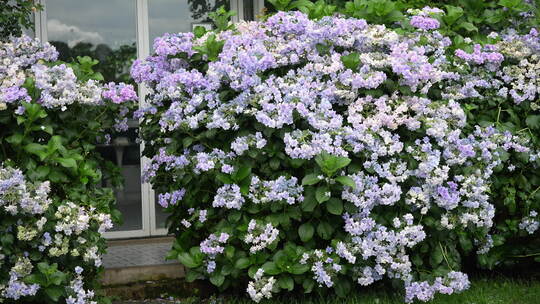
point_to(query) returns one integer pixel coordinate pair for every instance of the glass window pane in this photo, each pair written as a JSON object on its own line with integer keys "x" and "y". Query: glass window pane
{"x": 104, "y": 30}
{"x": 161, "y": 215}
{"x": 124, "y": 151}
{"x": 249, "y": 10}
{"x": 174, "y": 16}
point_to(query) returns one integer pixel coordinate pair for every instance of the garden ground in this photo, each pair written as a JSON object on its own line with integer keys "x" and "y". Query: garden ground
{"x": 484, "y": 290}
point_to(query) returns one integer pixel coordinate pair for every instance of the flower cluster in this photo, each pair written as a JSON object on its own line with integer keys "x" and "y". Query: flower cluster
{"x": 260, "y": 236}
{"x": 424, "y": 291}
{"x": 27, "y": 65}
{"x": 530, "y": 223}
{"x": 367, "y": 119}
{"x": 261, "y": 287}
{"x": 59, "y": 231}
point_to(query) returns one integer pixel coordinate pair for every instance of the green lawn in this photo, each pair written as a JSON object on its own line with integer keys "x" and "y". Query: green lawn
{"x": 483, "y": 291}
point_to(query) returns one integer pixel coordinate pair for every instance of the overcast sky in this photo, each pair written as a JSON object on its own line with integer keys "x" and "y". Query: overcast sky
{"x": 112, "y": 21}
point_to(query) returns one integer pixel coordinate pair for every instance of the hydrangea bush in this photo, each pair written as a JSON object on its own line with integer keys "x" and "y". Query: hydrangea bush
{"x": 296, "y": 154}
{"x": 52, "y": 207}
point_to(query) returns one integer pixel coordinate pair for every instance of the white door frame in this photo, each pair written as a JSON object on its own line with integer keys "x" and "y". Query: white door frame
{"x": 149, "y": 227}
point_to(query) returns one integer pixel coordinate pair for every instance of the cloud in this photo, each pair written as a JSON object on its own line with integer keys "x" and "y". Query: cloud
{"x": 71, "y": 34}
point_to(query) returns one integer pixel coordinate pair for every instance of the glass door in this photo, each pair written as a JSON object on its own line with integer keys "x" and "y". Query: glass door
{"x": 116, "y": 32}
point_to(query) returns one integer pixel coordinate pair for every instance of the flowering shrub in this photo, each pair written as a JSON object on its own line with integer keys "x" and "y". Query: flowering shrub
{"x": 503, "y": 89}
{"x": 52, "y": 208}
{"x": 295, "y": 153}
{"x": 46, "y": 246}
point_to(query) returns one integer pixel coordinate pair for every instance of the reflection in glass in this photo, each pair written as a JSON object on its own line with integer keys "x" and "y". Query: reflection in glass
{"x": 161, "y": 215}
{"x": 124, "y": 152}
{"x": 249, "y": 10}
{"x": 102, "y": 29}
{"x": 174, "y": 16}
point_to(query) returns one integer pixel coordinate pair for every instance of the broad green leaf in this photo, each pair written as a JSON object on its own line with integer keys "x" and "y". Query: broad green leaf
{"x": 533, "y": 121}
{"x": 217, "y": 279}
{"x": 306, "y": 231}
{"x": 325, "y": 230}
{"x": 310, "y": 179}
{"x": 242, "y": 263}
{"x": 37, "y": 149}
{"x": 67, "y": 162}
{"x": 187, "y": 260}
{"x": 271, "y": 268}
{"x": 54, "y": 292}
{"x": 241, "y": 173}
{"x": 334, "y": 206}
{"x": 343, "y": 287}
{"x": 308, "y": 285}
{"x": 15, "y": 139}
{"x": 286, "y": 282}
{"x": 322, "y": 194}
{"x": 298, "y": 268}
{"x": 351, "y": 61}
{"x": 346, "y": 181}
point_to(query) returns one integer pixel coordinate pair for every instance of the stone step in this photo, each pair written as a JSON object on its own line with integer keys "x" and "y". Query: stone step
{"x": 139, "y": 260}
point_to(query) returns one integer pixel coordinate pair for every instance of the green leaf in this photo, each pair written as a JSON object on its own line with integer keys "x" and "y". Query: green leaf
{"x": 58, "y": 278}
{"x": 67, "y": 162}
{"x": 436, "y": 257}
{"x": 199, "y": 31}
{"x": 229, "y": 252}
{"x": 308, "y": 285}
{"x": 310, "y": 179}
{"x": 453, "y": 13}
{"x": 306, "y": 231}
{"x": 322, "y": 194}
{"x": 335, "y": 206}
{"x": 274, "y": 163}
{"x": 15, "y": 139}
{"x": 224, "y": 178}
{"x": 533, "y": 121}
{"x": 217, "y": 279}
{"x": 37, "y": 149}
{"x": 241, "y": 173}
{"x": 310, "y": 202}
{"x": 192, "y": 275}
{"x": 351, "y": 61}
{"x": 54, "y": 292}
{"x": 187, "y": 260}
{"x": 343, "y": 288}
{"x": 298, "y": 268}
{"x": 346, "y": 181}
{"x": 510, "y": 3}
{"x": 325, "y": 230}
{"x": 242, "y": 263}
{"x": 469, "y": 27}
{"x": 286, "y": 282}
{"x": 271, "y": 268}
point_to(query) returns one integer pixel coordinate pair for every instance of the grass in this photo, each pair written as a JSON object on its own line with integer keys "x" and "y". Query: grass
{"x": 483, "y": 291}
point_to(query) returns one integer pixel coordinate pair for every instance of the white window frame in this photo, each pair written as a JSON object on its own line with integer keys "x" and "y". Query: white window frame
{"x": 149, "y": 227}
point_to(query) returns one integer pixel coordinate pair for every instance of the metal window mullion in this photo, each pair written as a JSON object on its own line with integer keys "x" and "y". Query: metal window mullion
{"x": 143, "y": 51}
{"x": 40, "y": 22}
{"x": 234, "y": 6}
{"x": 258, "y": 8}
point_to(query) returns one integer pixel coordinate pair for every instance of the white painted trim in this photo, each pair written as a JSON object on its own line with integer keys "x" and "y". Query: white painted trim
{"x": 235, "y": 6}
{"x": 258, "y": 7}
{"x": 40, "y": 22}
